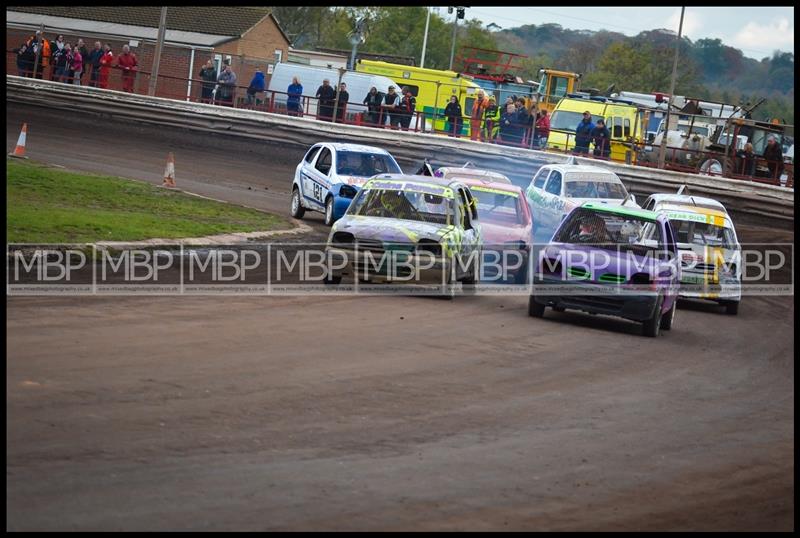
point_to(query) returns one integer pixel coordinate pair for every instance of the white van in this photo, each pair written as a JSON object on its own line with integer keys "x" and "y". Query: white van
{"x": 358, "y": 86}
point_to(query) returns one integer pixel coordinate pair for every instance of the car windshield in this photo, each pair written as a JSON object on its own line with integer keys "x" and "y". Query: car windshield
{"x": 595, "y": 189}
{"x": 702, "y": 233}
{"x": 353, "y": 163}
{"x": 403, "y": 204}
{"x": 610, "y": 231}
{"x": 498, "y": 207}
{"x": 568, "y": 121}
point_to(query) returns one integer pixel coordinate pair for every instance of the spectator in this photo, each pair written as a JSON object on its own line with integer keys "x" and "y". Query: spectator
{"x": 774, "y": 157}
{"x": 68, "y": 73}
{"x": 59, "y": 59}
{"x": 227, "y": 86}
{"x": 342, "y": 97}
{"x": 41, "y": 49}
{"x": 454, "y": 117}
{"x": 391, "y": 102}
{"x": 25, "y": 59}
{"x": 128, "y": 63}
{"x": 476, "y": 114}
{"x": 94, "y": 62}
{"x": 56, "y": 55}
{"x": 583, "y": 134}
{"x": 256, "y": 85}
{"x": 509, "y": 128}
{"x": 209, "y": 77}
{"x": 523, "y": 118}
{"x": 105, "y": 66}
{"x": 542, "y": 129}
{"x": 294, "y": 100}
{"x": 407, "y": 106}
{"x": 601, "y": 137}
{"x": 85, "y": 56}
{"x": 373, "y": 102}
{"x": 76, "y": 66}
{"x": 326, "y": 96}
{"x": 748, "y": 160}
{"x": 491, "y": 121}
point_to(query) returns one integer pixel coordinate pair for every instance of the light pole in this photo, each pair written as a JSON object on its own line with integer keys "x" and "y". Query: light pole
{"x": 459, "y": 15}
{"x": 356, "y": 37}
{"x": 663, "y": 149}
{"x": 425, "y": 39}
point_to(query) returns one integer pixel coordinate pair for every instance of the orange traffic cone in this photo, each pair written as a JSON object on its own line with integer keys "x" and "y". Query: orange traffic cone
{"x": 169, "y": 172}
{"x": 19, "y": 151}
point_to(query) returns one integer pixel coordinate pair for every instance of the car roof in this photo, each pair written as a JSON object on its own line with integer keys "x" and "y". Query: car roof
{"x": 684, "y": 199}
{"x": 494, "y": 185}
{"x": 580, "y": 168}
{"x": 415, "y": 179}
{"x": 341, "y": 146}
{"x": 465, "y": 172}
{"x": 622, "y": 210}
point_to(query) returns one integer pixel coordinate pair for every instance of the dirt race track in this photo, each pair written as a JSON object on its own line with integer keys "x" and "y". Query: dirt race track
{"x": 367, "y": 413}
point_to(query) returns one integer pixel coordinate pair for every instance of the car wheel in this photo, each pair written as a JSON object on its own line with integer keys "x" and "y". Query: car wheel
{"x": 333, "y": 280}
{"x": 329, "y": 211}
{"x": 522, "y": 276}
{"x": 651, "y": 326}
{"x": 297, "y": 209}
{"x": 732, "y": 308}
{"x": 535, "y": 310}
{"x": 666, "y": 321}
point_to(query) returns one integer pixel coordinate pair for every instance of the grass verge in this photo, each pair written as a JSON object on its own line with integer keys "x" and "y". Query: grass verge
{"x": 52, "y": 205}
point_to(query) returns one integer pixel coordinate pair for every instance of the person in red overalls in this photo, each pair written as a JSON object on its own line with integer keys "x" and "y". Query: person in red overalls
{"x": 476, "y": 114}
{"x": 127, "y": 62}
{"x": 105, "y": 66}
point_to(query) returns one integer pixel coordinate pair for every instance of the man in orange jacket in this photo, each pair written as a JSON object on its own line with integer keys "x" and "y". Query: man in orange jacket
{"x": 41, "y": 47}
{"x": 476, "y": 114}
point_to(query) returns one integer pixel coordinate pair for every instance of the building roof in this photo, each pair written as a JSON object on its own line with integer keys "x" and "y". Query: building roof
{"x": 223, "y": 21}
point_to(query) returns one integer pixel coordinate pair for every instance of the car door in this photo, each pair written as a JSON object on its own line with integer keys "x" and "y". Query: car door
{"x": 552, "y": 201}
{"x": 471, "y": 237}
{"x": 533, "y": 194}
{"x": 316, "y": 179}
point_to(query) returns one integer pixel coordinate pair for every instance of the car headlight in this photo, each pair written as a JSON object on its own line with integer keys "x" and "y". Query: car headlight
{"x": 347, "y": 191}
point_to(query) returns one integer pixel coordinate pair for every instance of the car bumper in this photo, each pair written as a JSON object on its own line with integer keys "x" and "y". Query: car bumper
{"x": 341, "y": 203}
{"x": 694, "y": 286}
{"x": 398, "y": 267}
{"x": 595, "y": 298}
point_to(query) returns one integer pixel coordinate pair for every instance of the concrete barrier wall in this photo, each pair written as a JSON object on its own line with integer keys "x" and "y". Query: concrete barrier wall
{"x": 742, "y": 198}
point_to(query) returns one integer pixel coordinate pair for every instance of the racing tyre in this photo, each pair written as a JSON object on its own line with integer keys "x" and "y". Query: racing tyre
{"x": 666, "y": 321}
{"x": 651, "y": 326}
{"x": 732, "y": 308}
{"x": 522, "y": 276}
{"x": 535, "y": 310}
{"x": 329, "y": 211}
{"x": 297, "y": 210}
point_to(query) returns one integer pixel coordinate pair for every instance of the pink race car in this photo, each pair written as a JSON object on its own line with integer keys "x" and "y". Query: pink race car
{"x": 507, "y": 228}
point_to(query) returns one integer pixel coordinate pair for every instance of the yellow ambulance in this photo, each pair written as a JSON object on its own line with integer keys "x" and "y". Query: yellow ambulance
{"x": 431, "y": 87}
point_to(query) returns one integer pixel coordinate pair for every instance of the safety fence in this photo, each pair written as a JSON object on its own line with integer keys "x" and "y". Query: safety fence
{"x": 495, "y": 131}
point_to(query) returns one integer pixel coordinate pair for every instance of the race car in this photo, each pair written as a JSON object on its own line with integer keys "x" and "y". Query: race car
{"x": 556, "y": 189}
{"x": 710, "y": 253}
{"x": 407, "y": 228}
{"x": 506, "y": 226}
{"x": 331, "y": 174}
{"x": 612, "y": 260}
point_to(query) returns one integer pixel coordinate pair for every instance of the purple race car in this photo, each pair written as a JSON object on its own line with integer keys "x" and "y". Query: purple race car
{"x": 612, "y": 260}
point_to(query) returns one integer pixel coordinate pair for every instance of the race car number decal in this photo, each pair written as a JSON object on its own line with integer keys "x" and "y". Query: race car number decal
{"x": 319, "y": 192}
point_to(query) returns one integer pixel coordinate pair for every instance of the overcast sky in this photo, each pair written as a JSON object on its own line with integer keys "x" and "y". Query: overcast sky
{"x": 756, "y": 31}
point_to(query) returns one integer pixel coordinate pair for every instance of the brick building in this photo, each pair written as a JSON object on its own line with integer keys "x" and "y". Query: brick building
{"x": 247, "y": 37}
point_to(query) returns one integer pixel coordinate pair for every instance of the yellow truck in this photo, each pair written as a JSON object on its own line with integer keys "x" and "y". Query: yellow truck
{"x": 431, "y": 87}
{"x": 554, "y": 85}
{"x": 624, "y": 122}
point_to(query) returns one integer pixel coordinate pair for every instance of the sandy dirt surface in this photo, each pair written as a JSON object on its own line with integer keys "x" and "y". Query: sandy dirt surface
{"x": 367, "y": 413}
